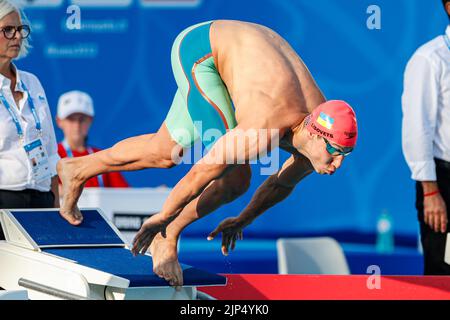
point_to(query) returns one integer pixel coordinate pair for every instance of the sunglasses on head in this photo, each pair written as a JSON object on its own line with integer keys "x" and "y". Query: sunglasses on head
{"x": 345, "y": 151}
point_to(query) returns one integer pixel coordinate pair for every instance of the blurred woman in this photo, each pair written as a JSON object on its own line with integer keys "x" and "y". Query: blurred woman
{"x": 28, "y": 149}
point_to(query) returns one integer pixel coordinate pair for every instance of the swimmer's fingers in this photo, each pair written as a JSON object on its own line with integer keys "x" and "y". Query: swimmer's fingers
{"x": 214, "y": 233}
{"x": 233, "y": 240}
{"x": 147, "y": 244}
{"x": 150, "y": 228}
{"x": 228, "y": 225}
{"x": 137, "y": 242}
{"x": 142, "y": 242}
{"x": 226, "y": 239}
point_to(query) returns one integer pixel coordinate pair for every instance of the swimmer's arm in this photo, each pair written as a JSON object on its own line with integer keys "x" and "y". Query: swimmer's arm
{"x": 276, "y": 188}
{"x": 214, "y": 165}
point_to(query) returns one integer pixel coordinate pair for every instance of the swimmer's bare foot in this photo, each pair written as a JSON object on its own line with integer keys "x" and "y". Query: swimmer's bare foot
{"x": 71, "y": 188}
{"x": 165, "y": 260}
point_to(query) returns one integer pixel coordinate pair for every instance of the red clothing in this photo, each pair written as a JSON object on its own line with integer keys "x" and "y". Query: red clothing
{"x": 110, "y": 180}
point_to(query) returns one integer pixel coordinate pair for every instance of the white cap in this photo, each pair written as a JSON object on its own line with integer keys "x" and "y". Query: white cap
{"x": 75, "y": 102}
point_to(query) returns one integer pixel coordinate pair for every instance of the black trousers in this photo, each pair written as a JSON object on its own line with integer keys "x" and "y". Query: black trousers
{"x": 26, "y": 199}
{"x": 433, "y": 243}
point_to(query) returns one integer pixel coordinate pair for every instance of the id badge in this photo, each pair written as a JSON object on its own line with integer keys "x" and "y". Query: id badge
{"x": 37, "y": 156}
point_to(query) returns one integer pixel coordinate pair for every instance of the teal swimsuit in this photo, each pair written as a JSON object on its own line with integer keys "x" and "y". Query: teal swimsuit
{"x": 202, "y": 101}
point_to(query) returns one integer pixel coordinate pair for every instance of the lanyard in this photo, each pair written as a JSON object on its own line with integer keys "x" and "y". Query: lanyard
{"x": 14, "y": 115}
{"x": 90, "y": 151}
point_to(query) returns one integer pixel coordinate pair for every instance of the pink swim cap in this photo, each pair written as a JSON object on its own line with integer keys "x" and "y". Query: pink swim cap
{"x": 334, "y": 120}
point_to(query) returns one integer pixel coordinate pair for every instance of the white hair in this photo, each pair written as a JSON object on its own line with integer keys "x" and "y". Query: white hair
{"x": 7, "y": 7}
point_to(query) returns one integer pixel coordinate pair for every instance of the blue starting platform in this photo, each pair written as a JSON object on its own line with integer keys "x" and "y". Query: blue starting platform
{"x": 53, "y": 259}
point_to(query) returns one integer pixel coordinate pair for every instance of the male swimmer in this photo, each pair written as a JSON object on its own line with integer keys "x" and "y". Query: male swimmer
{"x": 219, "y": 64}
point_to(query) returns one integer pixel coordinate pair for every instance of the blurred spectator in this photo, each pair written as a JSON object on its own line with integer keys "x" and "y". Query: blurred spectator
{"x": 426, "y": 143}
{"x": 28, "y": 152}
{"x": 74, "y": 118}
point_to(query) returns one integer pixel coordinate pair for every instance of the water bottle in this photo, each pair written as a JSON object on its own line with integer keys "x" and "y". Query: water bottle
{"x": 419, "y": 243}
{"x": 385, "y": 234}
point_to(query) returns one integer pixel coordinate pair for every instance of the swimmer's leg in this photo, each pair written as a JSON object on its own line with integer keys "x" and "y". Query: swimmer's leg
{"x": 164, "y": 250}
{"x": 136, "y": 153}
{"x": 157, "y": 150}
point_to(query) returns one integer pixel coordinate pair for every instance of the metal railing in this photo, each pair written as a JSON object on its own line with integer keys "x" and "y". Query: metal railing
{"x": 28, "y": 284}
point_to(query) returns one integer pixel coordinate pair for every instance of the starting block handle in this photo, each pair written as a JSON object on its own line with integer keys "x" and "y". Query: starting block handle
{"x": 28, "y": 284}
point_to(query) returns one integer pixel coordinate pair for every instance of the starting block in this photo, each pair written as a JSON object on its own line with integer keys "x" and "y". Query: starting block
{"x": 55, "y": 260}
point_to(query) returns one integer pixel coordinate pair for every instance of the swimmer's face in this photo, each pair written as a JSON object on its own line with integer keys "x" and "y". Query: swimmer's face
{"x": 75, "y": 127}
{"x": 321, "y": 159}
{"x": 10, "y": 48}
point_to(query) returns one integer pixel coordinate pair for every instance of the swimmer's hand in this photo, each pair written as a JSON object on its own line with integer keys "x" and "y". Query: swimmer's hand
{"x": 231, "y": 229}
{"x": 150, "y": 228}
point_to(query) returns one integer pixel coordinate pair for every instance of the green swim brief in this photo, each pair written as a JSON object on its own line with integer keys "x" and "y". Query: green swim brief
{"x": 202, "y": 107}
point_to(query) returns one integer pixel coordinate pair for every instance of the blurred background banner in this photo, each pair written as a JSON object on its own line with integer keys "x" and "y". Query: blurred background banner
{"x": 121, "y": 57}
